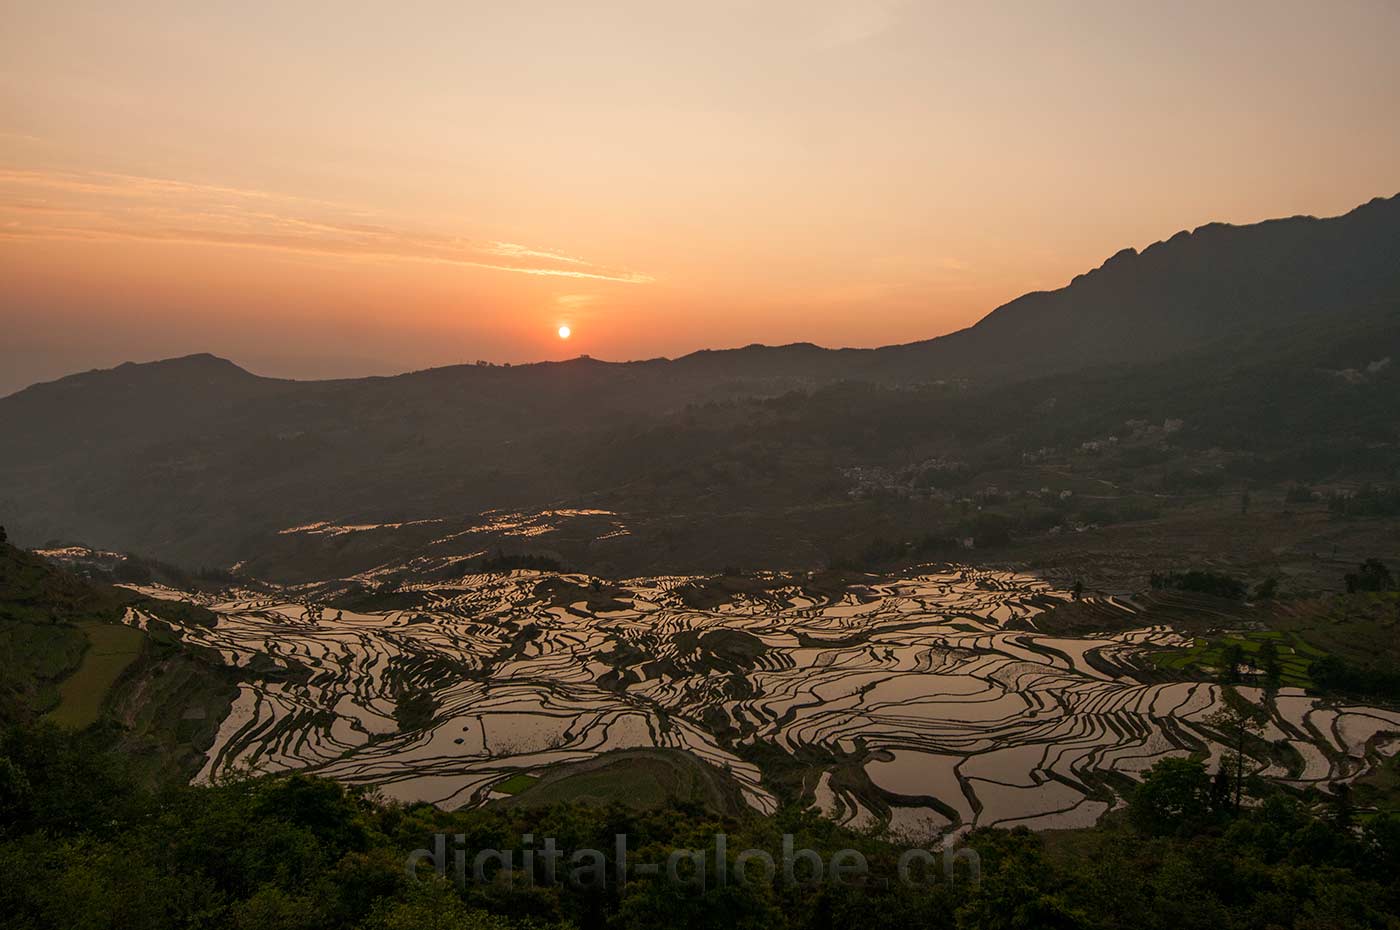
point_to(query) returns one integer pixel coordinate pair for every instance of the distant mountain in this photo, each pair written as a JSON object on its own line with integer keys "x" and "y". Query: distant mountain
{"x": 1182, "y": 294}
{"x": 197, "y": 461}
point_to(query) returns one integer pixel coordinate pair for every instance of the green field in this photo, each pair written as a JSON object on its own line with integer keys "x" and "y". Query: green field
{"x": 1295, "y": 655}
{"x": 1362, "y": 630}
{"x": 516, "y": 783}
{"x": 640, "y": 779}
{"x": 111, "y": 648}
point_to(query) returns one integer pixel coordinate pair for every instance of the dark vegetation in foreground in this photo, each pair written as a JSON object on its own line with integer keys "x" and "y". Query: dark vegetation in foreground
{"x": 81, "y": 845}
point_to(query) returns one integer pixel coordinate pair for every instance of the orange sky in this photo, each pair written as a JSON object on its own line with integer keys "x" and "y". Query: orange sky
{"x": 319, "y": 189}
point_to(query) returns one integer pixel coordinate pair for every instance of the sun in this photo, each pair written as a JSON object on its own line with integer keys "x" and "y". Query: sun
{"x": 565, "y": 332}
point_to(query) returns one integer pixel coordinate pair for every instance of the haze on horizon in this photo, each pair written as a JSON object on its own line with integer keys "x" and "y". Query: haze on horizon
{"x": 320, "y": 190}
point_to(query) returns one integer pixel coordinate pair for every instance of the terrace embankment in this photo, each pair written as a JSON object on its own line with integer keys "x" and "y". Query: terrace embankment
{"x": 953, "y": 697}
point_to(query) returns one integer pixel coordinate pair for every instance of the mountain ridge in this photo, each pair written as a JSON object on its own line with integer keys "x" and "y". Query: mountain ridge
{"x": 196, "y": 459}
{"x": 1126, "y": 261}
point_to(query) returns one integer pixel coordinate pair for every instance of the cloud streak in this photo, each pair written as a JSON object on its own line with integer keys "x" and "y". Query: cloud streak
{"x": 96, "y": 207}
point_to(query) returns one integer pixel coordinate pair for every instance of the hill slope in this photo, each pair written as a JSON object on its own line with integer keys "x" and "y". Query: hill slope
{"x": 66, "y": 655}
{"x": 1184, "y": 293}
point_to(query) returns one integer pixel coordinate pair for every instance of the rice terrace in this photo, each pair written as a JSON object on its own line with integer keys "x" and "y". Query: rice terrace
{"x": 921, "y": 705}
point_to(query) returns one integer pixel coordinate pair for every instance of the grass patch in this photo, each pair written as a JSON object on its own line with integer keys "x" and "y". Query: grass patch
{"x": 1207, "y": 655}
{"x": 1358, "y": 633}
{"x": 635, "y": 786}
{"x": 1359, "y": 628}
{"x": 639, "y": 779}
{"x": 516, "y": 783}
{"x": 1379, "y": 789}
{"x": 111, "y": 648}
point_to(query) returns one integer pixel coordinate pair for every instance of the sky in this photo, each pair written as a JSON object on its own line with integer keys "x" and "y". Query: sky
{"x": 337, "y": 189}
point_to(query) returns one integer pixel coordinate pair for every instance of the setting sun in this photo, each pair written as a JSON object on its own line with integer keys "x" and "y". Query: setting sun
{"x": 565, "y": 332}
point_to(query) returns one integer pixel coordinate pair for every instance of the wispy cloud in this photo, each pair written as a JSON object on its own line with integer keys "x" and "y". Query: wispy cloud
{"x": 512, "y": 250}
{"x": 96, "y": 206}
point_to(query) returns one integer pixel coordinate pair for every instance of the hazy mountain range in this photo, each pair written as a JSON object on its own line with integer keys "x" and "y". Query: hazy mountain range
{"x": 1248, "y": 334}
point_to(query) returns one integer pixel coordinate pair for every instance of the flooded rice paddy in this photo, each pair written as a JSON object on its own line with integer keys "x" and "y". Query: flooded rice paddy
{"x": 922, "y": 704}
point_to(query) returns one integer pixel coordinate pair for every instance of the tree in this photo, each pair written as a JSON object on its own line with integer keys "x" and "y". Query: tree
{"x": 131, "y": 571}
{"x": 1232, "y": 659}
{"x": 432, "y": 905}
{"x": 4, "y": 537}
{"x": 1200, "y": 582}
{"x": 14, "y": 794}
{"x": 1268, "y": 661}
{"x": 1237, "y": 720}
{"x": 1220, "y": 790}
{"x": 1371, "y": 575}
{"x": 1382, "y": 838}
{"x": 1341, "y": 805}
{"x": 1078, "y": 589}
{"x": 1174, "y": 797}
{"x": 1300, "y": 494}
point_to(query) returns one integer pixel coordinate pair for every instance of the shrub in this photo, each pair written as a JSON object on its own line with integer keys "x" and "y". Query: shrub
{"x": 1201, "y": 582}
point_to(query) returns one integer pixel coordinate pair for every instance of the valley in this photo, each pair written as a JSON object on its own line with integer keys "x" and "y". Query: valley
{"x": 927, "y": 703}
{"x": 760, "y": 466}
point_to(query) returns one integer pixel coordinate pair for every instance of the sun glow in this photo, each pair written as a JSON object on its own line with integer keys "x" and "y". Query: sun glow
{"x": 565, "y": 332}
